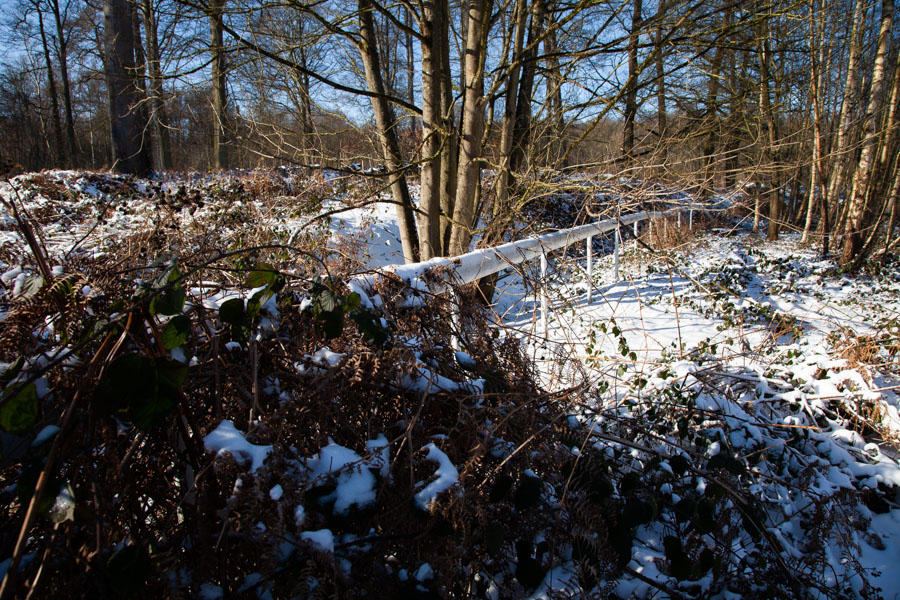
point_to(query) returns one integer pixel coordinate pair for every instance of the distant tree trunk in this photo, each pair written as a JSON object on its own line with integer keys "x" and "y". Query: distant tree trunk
{"x": 770, "y": 138}
{"x": 522, "y": 125}
{"x": 219, "y": 98}
{"x": 509, "y": 111}
{"x": 661, "y": 119}
{"x": 158, "y": 119}
{"x": 63, "y": 55}
{"x": 54, "y": 96}
{"x": 816, "y": 86}
{"x": 711, "y": 139}
{"x": 130, "y": 155}
{"x": 387, "y": 132}
{"x": 856, "y": 211}
{"x": 632, "y": 85}
{"x": 472, "y": 127}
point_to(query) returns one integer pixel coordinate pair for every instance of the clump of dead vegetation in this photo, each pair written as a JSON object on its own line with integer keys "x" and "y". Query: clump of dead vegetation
{"x": 118, "y": 369}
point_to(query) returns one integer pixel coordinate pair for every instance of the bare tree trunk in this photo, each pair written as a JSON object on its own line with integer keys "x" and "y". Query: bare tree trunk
{"x": 158, "y": 121}
{"x": 430, "y": 189}
{"x": 509, "y": 110}
{"x": 768, "y": 114}
{"x": 661, "y": 120}
{"x": 450, "y": 137}
{"x": 522, "y": 125}
{"x": 473, "y": 126}
{"x": 817, "y": 57}
{"x": 387, "y": 132}
{"x": 840, "y": 150}
{"x": 631, "y": 85}
{"x": 54, "y": 96}
{"x": 63, "y": 55}
{"x": 856, "y": 212}
{"x": 130, "y": 155}
{"x": 219, "y": 98}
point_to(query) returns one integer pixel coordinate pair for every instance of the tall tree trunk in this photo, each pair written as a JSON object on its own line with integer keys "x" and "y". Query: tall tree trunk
{"x": 522, "y": 126}
{"x": 219, "y": 98}
{"x": 769, "y": 125}
{"x": 430, "y": 189}
{"x": 817, "y": 191}
{"x": 158, "y": 120}
{"x": 450, "y": 136}
{"x": 631, "y": 85}
{"x": 130, "y": 154}
{"x": 472, "y": 127}
{"x": 661, "y": 117}
{"x": 63, "y": 55}
{"x": 856, "y": 212}
{"x": 54, "y": 96}
{"x": 387, "y": 132}
{"x": 509, "y": 111}
{"x": 840, "y": 151}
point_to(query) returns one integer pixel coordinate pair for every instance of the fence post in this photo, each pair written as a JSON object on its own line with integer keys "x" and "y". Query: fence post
{"x": 590, "y": 267}
{"x": 544, "y": 292}
{"x": 691, "y": 219}
{"x": 618, "y": 245}
{"x": 679, "y": 219}
{"x": 635, "y": 236}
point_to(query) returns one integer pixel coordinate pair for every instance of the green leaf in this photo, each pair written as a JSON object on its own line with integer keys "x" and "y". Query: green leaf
{"x": 12, "y": 371}
{"x": 232, "y": 311}
{"x": 176, "y": 332}
{"x": 333, "y": 323}
{"x": 128, "y": 571}
{"x": 327, "y": 301}
{"x": 19, "y": 411}
{"x": 352, "y": 302}
{"x": 170, "y": 373}
{"x": 679, "y": 463}
{"x": 264, "y": 274}
{"x": 168, "y": 302}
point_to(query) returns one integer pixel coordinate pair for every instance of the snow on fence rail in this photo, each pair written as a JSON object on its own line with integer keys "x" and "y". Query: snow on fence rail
{"x": 438, "y": 273}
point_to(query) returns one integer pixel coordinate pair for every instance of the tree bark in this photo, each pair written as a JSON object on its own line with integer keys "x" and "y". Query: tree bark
{"x": 130, "y": 155}
{"x": 631, "y": 85}
{"x": 472, "y": 127}
{"x": 219, "y": 98}
{"x": 158, "y": 120}
{"x": 62, "y": 47}
{"x": 387, "y": 132}
{"x": 856, "y": 211}
{"x": 432, "y": 145}
{"x": 54, "y": 95}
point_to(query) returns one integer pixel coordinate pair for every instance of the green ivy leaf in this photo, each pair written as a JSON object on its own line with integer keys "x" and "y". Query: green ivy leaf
{"x": 19, "y": 411}
{"x": 264, "y": 274}
{"x": 176, "y": 332}
{"x": 232, "y": 311}
{"x": 168, "y": 302}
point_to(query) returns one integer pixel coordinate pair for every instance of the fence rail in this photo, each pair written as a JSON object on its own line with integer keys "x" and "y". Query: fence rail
{"x": 441, "y": 273}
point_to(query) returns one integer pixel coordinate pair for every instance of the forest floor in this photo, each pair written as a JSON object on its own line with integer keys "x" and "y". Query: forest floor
{"x": 210, "y": 373}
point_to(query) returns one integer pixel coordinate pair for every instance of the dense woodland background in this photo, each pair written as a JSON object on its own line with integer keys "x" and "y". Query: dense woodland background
{"x": 489, "y": 99}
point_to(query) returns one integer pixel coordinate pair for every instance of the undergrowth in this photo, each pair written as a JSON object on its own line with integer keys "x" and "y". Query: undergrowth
{"x": 121, "y": 367}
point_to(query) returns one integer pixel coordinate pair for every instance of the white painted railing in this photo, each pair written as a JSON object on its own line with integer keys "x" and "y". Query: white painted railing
{"x": 439, "y": 274}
